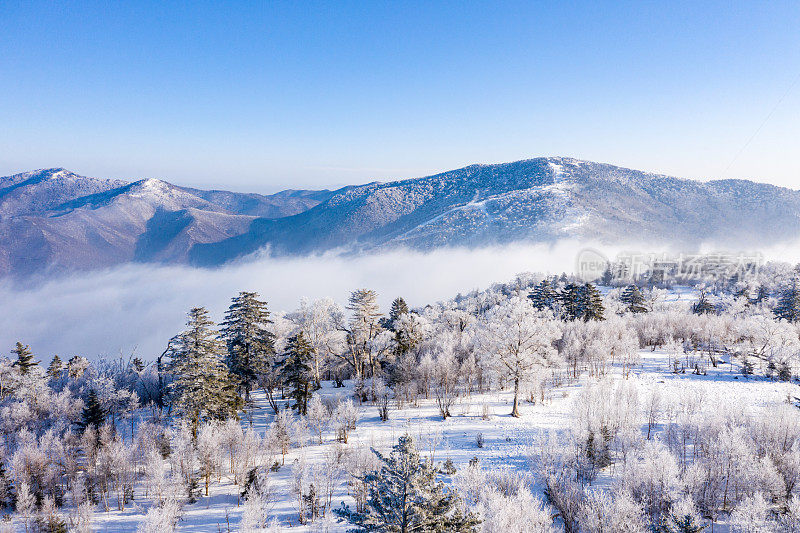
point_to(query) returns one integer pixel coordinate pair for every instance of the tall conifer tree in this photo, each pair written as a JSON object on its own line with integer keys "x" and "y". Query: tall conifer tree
{"x": 93, "y": 412}
{"x": 203, "y": 386}
{"x": 55, "y": 368}
{"x": 788, "y": 307}
{"x": 250, "y": 344}
{"x": 296, "y": 371}
{"x": 543, "y": 296}
{"x": 24, "y": 360}
{"x": 633, "y": 299}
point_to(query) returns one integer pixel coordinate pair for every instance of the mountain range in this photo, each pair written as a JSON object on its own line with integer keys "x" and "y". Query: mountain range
{"x": 54, "y": 220}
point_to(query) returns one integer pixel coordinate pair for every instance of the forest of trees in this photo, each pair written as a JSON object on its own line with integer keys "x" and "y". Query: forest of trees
{"x": 81, "y": 437}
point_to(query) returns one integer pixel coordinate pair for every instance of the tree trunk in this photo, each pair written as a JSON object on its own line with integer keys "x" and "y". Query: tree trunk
{"x": 515, "y": 409}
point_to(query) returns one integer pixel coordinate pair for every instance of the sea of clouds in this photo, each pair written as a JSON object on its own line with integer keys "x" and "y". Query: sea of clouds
{"x": 136, "y": 309}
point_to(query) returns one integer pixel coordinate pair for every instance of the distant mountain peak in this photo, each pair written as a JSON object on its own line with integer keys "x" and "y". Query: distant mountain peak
{"x": 54, "y": 218}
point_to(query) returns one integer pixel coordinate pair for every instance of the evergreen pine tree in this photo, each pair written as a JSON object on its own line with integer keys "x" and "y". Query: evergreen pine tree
{"x": 398, "y": 309}
{"x": 295, "y": 371}
{"x": 633, "y": 299}
{"x": 24, "y": 358}
{"x": 590, "y": 303}
{"x": 608, "y": 276}
{"x": 6, "y": 490}
{"x": 55, "y": 368}
{"x": 703, "y": 306}
{"x": 250, "y": 344}
{"x": 569, "y": 297}
{"x": 93, "y": 412}
{"x": 788, "y": 307}
{"x": 743, "y": 292}
{"x": 543, "y": 296}
{"x": 203, "y": 387}
{"x": 137, "y": 365}
{"x": 762, "y": 293}
{"x": 405, "y": 496}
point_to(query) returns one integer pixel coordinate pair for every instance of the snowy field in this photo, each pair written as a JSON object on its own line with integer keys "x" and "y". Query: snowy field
{"x": 508, "y": 442}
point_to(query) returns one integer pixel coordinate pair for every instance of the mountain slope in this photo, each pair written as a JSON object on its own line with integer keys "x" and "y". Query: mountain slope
{"x": 540, "y": 199}
{"x": 54, "y": 220}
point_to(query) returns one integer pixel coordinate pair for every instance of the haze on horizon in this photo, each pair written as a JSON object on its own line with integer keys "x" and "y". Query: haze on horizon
{"x": 263, "y": 98}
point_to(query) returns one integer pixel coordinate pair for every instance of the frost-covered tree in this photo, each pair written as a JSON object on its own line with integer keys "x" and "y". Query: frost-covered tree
{"x": 405, "y": 496}
{"x": 320, "y": 321}
{"x": 445, "y": 378}
{"x": 753, "y": 515}
{"x": 161, "y": 518}
{"x": 344, "y": 418}
{"x": 362, "y": 330}
{"x": 296, "y": 371}
{"x": 26, "y": 503}
{"x": 601, "y": 513}
{"x": 653, "y": 480}
{"x": 410, "y": 330}
{"x": 518, "y": 339}
{"x": 250, "y": 344}
{"x": 258, "y": 499}
{"x": 25, "y": 360}
{"x": 209, "y": 452}
{"x": 633, "y": 299}
{"x": 203, "y": 387}
{"x": 318, "y": 417}
{"x": 703, "y": 305}
{"x": 788, "y": 307}
{"x": 684, "y": 518}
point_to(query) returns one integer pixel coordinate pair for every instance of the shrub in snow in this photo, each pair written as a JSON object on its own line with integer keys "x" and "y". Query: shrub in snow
{"x": 517, "y": 513}
{"x": 684, "y": 518}
{"x": 344, "y": 418}
{"x": 257, "y": 503}
{"x": 753, "y": 515}
{"x": 653, "y": 479}
{"x": 161, "y": 519}
{"x": 601, "y": 512}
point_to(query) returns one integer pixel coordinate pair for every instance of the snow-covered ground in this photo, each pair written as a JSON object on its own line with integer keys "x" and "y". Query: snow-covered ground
{"x": 508, "y": 440}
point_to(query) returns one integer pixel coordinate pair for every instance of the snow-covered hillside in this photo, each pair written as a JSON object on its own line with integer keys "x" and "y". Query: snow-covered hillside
{"x": 53, "y": 220}
{"x": 539, "y": 200}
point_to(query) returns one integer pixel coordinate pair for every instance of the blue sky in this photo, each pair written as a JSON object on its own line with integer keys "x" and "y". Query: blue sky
{"x": 262, "y": 96}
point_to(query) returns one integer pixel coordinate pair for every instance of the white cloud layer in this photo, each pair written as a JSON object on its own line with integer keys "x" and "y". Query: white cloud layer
{"x": 139, "y": 307}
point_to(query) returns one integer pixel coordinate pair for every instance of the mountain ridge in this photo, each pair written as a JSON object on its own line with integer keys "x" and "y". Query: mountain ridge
{"x": 56, "y": 220}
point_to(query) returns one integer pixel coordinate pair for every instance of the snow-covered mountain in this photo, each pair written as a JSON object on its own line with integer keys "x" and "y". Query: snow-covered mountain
{"x": 56, "y": 220}
{"x": 541, "y": 199}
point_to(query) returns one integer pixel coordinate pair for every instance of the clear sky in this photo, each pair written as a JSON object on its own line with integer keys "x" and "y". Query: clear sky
{"x": 268, "y": 95}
